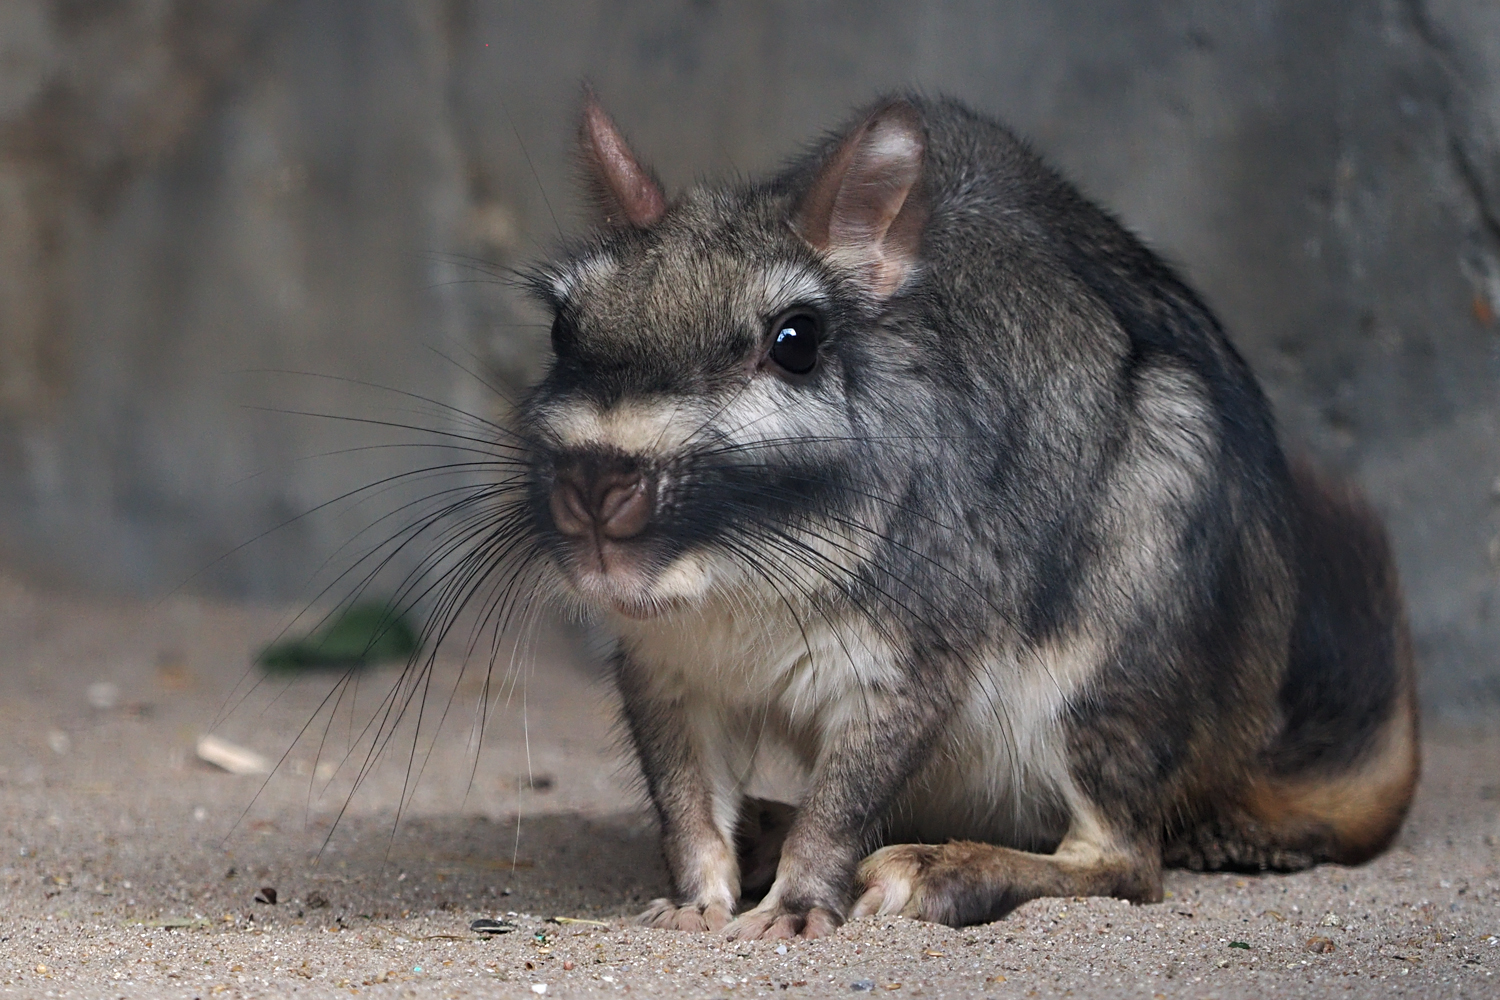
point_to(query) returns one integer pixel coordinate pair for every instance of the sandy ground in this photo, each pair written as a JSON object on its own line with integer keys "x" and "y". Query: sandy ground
{"x": 128, "y": 868}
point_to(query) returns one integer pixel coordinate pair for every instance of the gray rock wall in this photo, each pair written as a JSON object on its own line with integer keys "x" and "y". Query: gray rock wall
{"x": 192, "y": 196}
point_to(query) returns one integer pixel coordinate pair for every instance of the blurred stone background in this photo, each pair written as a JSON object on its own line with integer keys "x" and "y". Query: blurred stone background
{"x": 197, "y": 199}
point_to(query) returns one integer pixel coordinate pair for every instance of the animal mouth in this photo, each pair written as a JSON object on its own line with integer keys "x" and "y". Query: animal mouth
{"x": 602, "y": 503}
{"x": 638, "y": 579}
{"x": 610, "y": 575}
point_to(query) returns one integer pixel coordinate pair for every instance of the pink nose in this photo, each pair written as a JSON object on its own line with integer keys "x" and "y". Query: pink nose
{"x": 615, "y": 503}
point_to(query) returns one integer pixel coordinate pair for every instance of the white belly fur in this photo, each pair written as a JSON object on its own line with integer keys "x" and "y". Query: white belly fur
{"x": 751, "y": 678}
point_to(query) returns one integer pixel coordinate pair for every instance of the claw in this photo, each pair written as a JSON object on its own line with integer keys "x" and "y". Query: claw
{"x": 667, "y": 915}
{"x": 889, "y": 877}
{"x": 820, "y": 923}
{"x": 716, "y": 917}
{"x": 869, "y": 904}
{"x": 776, "y": 923}
{"x": 654, "y": 914}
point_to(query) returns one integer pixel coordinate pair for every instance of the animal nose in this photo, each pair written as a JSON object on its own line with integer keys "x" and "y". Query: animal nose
{"x": 612, "y": 499}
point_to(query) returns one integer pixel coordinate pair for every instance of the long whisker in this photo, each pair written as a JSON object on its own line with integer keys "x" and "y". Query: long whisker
{"x": 230, "y": 701}
{"x": 373, "y": 422}
{"x": 837, "y": 575}
{"x": 443, "y": 407}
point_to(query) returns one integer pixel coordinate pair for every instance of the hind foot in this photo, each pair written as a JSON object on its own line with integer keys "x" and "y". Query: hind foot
{"x": 961, "y": 883}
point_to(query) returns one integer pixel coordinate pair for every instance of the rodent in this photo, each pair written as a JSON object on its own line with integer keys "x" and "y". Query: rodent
{"x": 915, "y": 462}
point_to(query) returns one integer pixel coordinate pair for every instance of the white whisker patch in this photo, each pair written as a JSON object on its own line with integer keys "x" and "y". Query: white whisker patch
{"x": 648, "y": 428}
{"x": 689, "y": 577}
{"x": 768, "y": 411}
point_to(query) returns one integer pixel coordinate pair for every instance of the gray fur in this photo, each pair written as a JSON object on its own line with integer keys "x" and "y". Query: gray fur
{"x": 1020, "y": 562}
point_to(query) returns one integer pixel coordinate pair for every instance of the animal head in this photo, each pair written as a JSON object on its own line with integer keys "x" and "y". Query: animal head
{"x": 727, "y": 399}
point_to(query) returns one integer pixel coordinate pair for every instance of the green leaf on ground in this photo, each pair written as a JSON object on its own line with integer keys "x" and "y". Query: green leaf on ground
{"x": 358, "y": 636}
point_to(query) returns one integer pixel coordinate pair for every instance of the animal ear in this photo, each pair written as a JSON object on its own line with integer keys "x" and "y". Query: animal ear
{"x": 627, "y": 193}
{"x": 865, "y": 208}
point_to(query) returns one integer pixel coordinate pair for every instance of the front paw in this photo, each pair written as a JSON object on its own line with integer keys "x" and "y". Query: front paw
{"x": 671, "y": 916}
{"x": 770, "y": 922}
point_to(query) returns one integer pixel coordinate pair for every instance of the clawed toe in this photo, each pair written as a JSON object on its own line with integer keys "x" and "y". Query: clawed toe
{"x": 667, "y": 915}
{"x": 889, "y": 880}
{"x": 777, "y": 923}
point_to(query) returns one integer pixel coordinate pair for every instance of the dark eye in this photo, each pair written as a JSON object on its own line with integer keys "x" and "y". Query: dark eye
{"x": 794, "y": 342}
{"x": 563, "y": 335}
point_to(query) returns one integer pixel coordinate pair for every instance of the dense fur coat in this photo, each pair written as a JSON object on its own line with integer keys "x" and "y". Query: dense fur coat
{"x": 915, "y": 463}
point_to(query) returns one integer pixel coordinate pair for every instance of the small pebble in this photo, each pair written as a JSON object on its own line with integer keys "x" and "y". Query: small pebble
{"x": 485, "y": 925}
{"x": 1319, "y": 945}
{"x": 862, "y": 985}
{"x": 233, "y": 758}
{"x": 539, "y": 987}
{"x": 267, "y": 895}
{"x": 103, "y": 695}
{"x": 781, "y": 949}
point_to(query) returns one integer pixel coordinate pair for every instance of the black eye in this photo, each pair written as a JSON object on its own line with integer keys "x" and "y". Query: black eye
{"x": 563, "y": 335}
{"x": 794, "y": 342}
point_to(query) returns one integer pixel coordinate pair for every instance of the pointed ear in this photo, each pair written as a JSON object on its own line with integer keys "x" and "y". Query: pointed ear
{"x": 866, "y": 208}
{"x": 627, "y": 192}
